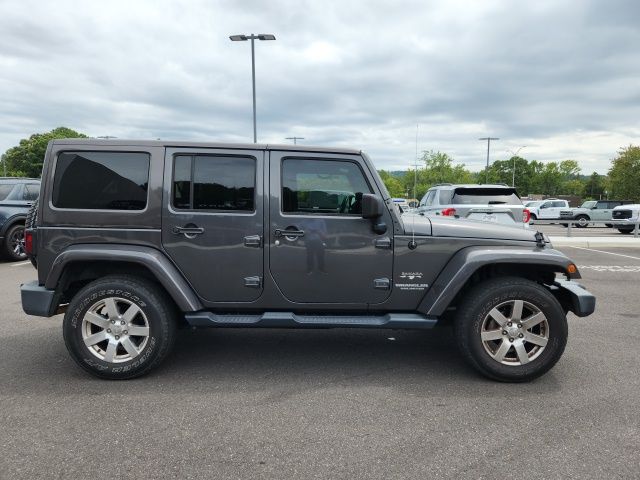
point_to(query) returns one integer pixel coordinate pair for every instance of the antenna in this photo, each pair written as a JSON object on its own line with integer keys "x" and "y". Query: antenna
{"x": 412, "y": 243}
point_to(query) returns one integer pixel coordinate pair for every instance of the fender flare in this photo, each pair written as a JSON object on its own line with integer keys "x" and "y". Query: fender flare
{"x": 468, "y": 260}
{"x": 165, "y": 272}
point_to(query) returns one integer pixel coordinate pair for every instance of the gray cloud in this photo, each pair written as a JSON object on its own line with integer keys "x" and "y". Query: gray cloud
{"x": 559, "y": 77}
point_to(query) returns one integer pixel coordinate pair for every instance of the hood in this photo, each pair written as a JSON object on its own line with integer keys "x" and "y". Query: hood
{"x": 463, "y": 228}
{"x": 628, "y": 206}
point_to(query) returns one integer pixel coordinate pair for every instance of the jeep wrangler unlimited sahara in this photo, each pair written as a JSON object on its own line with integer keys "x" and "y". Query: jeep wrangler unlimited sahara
{"x": 133, "y": 239}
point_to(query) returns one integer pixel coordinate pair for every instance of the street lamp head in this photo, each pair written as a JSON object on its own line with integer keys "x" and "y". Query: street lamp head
{"x": 266, "y": 36}
{"x": 238, "y": 38}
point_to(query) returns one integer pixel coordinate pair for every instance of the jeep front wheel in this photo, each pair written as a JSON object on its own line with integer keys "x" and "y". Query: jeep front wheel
{"x": 511, "y": 329}
{"x": 119, "y": 327}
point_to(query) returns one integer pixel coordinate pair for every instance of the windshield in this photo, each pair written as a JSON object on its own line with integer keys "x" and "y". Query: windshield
{"x": 589, "y": 204}
{"x": 485, "y": 196}
{"x": 5, "y": 190}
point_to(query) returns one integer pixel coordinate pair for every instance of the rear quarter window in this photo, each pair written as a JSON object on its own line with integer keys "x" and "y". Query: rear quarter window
{"x": 98, "y": 180}
{"x": 6, "y": 189}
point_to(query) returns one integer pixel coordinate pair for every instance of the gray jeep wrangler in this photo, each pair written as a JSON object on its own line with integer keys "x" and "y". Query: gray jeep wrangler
{"x": 133, "y": 239}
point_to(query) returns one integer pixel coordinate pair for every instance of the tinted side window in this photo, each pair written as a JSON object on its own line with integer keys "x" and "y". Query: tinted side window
{"x": 445, "y": 197}
{"x": 602, "y": 205}
{"x": 101, "y": 180}
{"x": 323, "y": 187}
{"x": 31, "y": 192}
{"x": 428, "y": 199}
{"x": 558, "y": 204}
{"x": 208, "y": 182}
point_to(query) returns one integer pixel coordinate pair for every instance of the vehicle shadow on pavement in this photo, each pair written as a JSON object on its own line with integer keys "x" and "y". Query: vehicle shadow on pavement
{"x": 272, "y": 363}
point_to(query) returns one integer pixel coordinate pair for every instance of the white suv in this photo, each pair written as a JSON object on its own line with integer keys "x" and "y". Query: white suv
{"x": 488, "y": 203}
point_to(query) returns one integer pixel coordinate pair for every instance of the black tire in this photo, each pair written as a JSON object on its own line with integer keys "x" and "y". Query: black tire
{"x": 608, "y": 225}
{"x": 625, "y": 230}
{"x": 582, "y": 218}
{"x": 156, "y": 311}
{"x": 14, "y": 244}
{"x": 488, "y": 295}
{"x": 533, "y": 216}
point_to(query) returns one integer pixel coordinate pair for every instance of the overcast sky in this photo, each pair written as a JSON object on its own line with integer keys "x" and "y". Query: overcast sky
{"x": 561, "y": 77}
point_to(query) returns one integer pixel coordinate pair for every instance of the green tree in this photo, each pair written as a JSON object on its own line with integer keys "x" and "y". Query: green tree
{"x": 624, "y": 174}
{"x": 25, "y": 159}
{"x": 393, "y": 184}
{"x": 595, "y": 186}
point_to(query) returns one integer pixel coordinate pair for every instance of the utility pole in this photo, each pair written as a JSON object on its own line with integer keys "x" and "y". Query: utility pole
{"x": 514, "y": 155}
{"x": 488, "y": 139}
{"x": 252, "y": 37}
{"x": 294, "y": 139}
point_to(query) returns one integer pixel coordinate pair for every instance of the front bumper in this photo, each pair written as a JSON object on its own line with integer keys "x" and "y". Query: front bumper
{"x": 38, "y": 300}
{"x": 580, "y": 301}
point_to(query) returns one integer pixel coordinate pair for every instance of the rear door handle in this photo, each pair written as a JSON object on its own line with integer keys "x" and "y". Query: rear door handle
{"x": 189, "y": 232}
{"x": 288, "y": 233}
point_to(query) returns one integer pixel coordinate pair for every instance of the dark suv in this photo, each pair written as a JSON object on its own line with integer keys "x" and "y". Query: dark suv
{"x": 16, "y": 197}
{"x": 134, "y": 239}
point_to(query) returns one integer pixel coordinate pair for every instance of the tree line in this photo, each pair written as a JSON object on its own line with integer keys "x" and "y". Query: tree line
{"x": 531, "y": 176}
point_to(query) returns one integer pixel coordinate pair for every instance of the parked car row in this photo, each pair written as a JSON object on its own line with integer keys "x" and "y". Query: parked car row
{"x": 16, "y": 197}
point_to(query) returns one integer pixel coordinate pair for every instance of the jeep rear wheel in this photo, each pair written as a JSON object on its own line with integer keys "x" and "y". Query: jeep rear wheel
{"x": 119, "y": 327}
{"x": 14, "y": 243}
{"x": 511, "y": 329}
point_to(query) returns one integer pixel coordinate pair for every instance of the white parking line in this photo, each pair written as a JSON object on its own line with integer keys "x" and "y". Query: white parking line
{"x": 21, "y": 264}
{"x": 611, "y": 268}
{"x": 602, "y": 251}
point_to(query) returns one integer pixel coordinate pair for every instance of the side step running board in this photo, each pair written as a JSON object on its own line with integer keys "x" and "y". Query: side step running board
{"x": 289, "y": 319}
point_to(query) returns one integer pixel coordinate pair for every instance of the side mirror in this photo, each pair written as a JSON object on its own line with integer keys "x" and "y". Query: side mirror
{"x": 371, "y": 206}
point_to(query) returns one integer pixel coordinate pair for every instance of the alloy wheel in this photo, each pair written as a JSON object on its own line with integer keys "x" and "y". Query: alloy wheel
{"x": 115, "y": 330}
{"x": 515, "y": 332}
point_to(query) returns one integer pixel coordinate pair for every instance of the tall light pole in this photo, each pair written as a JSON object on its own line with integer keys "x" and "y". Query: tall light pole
{"x": 252, "y": 37}
{"x": 488, "y": 139}
{"x": 514, "y": 155}
{"x": 294, "y": 139}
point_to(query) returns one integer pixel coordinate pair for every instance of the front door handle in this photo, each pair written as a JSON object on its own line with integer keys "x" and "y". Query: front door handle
{"x": 288, "y": 233}
{"x": 189, "y": 232}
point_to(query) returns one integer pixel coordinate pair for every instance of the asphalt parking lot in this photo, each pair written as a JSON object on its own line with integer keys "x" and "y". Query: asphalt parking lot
{"x": 327, "y": 403}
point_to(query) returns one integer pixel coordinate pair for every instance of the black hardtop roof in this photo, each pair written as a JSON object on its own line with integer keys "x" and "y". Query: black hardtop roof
{"x": 190, "y": 144}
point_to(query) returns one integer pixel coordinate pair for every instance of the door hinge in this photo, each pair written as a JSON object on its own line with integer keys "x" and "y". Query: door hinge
{"x": 253, "y": 241}
{"x": 384, "y": 242}
{"x": 382, "y": 284}
{"x": 253, "y": 282}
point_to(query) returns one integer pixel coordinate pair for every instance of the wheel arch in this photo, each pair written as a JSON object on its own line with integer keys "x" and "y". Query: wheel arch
{"x": 472, "y": 265}
{"x": 80, "y": 264}
{"x": 10, "y": 222}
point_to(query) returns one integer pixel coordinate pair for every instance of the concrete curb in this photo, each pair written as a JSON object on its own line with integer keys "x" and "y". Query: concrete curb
{"x": 587, "y": 242}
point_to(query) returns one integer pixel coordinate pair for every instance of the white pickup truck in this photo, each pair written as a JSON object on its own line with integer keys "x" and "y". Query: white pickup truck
{"x": 629, "y": 214}
{"x": 548, "y": 209}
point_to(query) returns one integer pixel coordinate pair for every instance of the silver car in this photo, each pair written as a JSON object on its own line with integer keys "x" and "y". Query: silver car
{"x": 488, "y": 203}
